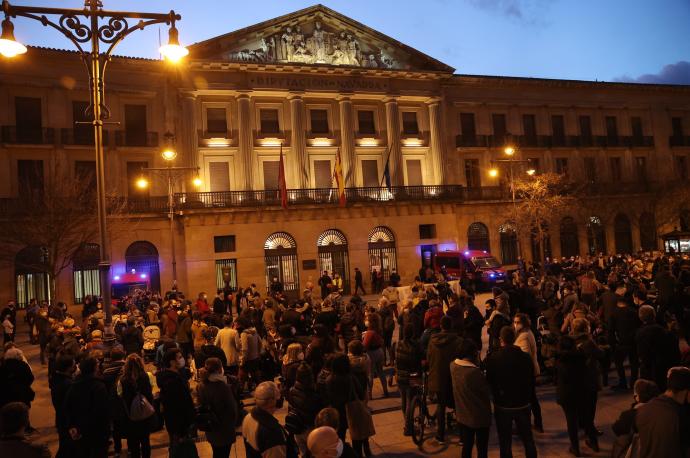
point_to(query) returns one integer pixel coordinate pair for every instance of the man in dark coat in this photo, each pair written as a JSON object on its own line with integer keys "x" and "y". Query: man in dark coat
{"x": 176, "y": 400}
{"x": 657, "y": 349}
{"x": 324, "y": 282}
{"x": 132, "y": 338}
{"x": 59, "y": 385}
{"x": 14, "y": 420}
{"x": 87, "y": 412}
{"x": 443, "y": 348}
{"x": 623, "y": 326}
{"x": 359, "y": 281}
{"x": 510, "y": 373}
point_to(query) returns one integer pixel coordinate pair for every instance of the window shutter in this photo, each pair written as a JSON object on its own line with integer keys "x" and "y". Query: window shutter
{"x": 323, "y": 177}
{"x": 414, "y": 173}
{"x": 219, "y": 174}
{"x": 271, "y": 169}
{"x": 370, "y": 173}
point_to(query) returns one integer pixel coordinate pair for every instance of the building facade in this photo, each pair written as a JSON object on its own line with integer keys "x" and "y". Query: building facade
{"x": 313, "y": 85}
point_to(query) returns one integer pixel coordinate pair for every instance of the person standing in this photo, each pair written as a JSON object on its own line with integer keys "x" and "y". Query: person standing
{"x": 14, "y": 421}
{"x": 324, "y": 283}
{"x": 408, "y": 361}
{"x": 176, "y": 401}
{"x": 263, "y": 435}
{"x": 215, "y": 395}
{"x": 510, "y": 373}
{"x": 228, "y": 339}
{"x": 134, "y": 384}
{"x": 623, "y": 327}
{"x": 657, "y": 349}
{"x": 472, "y": 400}
{"x": 359, "y": 281}
{"x": 528, "y": 344}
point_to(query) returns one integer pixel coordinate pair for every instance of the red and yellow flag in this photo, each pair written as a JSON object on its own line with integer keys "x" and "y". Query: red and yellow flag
{"x": 338, "y": 177}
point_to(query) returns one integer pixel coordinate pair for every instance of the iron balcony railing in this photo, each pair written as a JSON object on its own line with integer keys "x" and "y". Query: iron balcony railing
{"x": 561, "y": 141}
{"x": 81, "y": 137}
{"x": 679, "y": 140}
{"x": 27, "y": 135}
{"x": 136, "y": 138}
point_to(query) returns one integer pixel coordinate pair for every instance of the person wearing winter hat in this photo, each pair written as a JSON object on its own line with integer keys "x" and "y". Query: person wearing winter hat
{"x": 324, "y": 442}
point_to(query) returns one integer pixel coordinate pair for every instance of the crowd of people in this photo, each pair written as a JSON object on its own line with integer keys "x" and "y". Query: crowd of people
{"x": 224, "y": 366}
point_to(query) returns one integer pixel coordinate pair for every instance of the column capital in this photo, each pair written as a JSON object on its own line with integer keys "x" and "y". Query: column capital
{"x": 433, "y": 101}
{"x": 243, "y": 95}
{"x": 390, "y": 99}
{"x": 344, "y": 97}
{"x": 295, "y": 95}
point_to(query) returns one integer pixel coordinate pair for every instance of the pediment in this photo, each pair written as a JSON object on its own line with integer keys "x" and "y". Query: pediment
{"x": 315, "y": 36}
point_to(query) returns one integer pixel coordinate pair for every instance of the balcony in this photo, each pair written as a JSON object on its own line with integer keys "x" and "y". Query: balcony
{"x": 471, "y": 141}
{"x": 679, "y": 140}
{"x": 125, "y": 138}
{"x": 17, "y": 135}
{"x": 81, "y": 137}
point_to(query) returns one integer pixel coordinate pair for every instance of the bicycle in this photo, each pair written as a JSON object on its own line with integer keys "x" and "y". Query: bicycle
{"x": 418, "y": 411}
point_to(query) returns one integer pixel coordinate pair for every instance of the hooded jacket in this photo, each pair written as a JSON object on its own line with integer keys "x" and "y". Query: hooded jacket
{"x": 178, "y": 407}
{"x": 443, "y": 348}
{"x": 250, "y": 344}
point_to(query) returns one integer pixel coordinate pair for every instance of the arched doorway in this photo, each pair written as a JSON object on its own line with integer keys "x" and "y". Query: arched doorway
{"x": 382, "y": 254}
{"x": 142, "y": 256}
{"x": 570, "y": 246}
{"x": 332, "y": 248}
{"x": 509, "y": 241}
{"x": 478, "y": 237}
{"x": 280, "y": 257}
{"x": 32, "y": 280}
{"x": 621, "y": 227}
{"x": 648, "y": 239}
{"x": 596, "y": 237}
{"x": 536, "y": 243}
{"x": 85, "y": 272}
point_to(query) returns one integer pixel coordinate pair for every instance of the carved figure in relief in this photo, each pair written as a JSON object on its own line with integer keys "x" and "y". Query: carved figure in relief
{"x": 319, "y": 43}
{"x": 352, "y": 50}
{"x": 386, "y": 60}
{"x": 287, "y": 41}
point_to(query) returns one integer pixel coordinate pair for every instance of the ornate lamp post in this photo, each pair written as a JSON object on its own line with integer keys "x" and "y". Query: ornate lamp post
{"x": 99, "y": 27}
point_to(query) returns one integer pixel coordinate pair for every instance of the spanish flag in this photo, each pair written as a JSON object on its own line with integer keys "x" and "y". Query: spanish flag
{"x": 281, "y": 180}
{"x": 338, "y": 177}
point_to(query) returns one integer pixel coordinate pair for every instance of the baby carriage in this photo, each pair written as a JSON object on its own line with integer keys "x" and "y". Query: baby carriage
{"x": 152, "y": 335}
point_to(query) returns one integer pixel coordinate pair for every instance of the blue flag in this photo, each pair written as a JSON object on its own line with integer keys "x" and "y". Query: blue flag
{"x": 387, "y": 174}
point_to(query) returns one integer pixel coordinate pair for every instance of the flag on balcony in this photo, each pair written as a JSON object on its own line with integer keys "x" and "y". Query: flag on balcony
{"x": 338, "y": 177}
{"x": 281, "y": 180}
{"x": 387, "y": 172}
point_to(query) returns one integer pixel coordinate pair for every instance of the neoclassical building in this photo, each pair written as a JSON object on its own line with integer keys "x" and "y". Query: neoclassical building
{"x": 315, "y": 84}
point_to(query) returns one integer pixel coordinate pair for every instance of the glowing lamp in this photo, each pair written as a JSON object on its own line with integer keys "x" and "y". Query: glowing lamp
{"x": 169, "y": 154}
{"x": 116, "y": 277}
{"x": 467, "y": 253}
{"x": 173, "y": 51}
{"x": 142, "y": 183}
{"x": 531, "y": 172}
{"x": 493, "y": 173}
{"x": 509, "y": 150}
{"x": 143, "y": 275}
{"x": 9, "y": 46}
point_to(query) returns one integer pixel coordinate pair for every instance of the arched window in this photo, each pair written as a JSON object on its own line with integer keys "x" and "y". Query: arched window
{"x": 478, "y": 237}
{"x": 648, "y": 239}
{"x": 536, "y": 243}
{"x": 596, "y": 237}
{"x": 509, "y": 241}
{"x": 85, "y": 272}
{"x": 570, "y": 245}
{"x": 142, "y": 256}
{"x": 333, "y": 257}
{"x": 621, "y": 227}
{"x": 280, "y": 257}
{"x": 32, "y": 280}
{"x": 382, "y": 256}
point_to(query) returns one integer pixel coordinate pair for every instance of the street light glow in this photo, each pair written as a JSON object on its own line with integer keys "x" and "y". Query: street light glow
{"x": 142, "y": 183}
{"x": 9, "y": 46}
{"x": 173, "y": 51}
{"x": 197, "y": 182}
{"x": 509, "y": 150}
{"x": 169, "y": 154}
{"x": 531, "y": 172}
{"x": 493, "y": 173}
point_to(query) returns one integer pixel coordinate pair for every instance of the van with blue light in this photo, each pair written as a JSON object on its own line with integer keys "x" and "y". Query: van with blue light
{"x": 127, "y": 283}
{"x": 477, "y": 265}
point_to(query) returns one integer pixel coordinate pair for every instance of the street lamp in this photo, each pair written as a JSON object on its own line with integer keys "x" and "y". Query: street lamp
{"x": 170, "y": 173}
{"x": 98, "y": 26}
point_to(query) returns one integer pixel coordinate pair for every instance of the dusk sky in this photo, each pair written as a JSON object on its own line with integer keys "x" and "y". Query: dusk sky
{"x": 609, "y": 40}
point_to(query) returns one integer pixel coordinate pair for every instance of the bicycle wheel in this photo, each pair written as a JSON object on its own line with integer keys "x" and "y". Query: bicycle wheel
{"x": 418, "y": 420}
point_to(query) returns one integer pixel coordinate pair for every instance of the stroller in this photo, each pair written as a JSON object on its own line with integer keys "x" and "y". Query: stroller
{"x": 152, "y": 335}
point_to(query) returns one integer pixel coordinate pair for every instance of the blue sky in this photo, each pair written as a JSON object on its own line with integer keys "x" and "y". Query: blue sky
{"x": 609, "y": 40}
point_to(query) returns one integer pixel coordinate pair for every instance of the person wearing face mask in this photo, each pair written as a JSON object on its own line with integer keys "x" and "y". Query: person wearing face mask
{"x": 528, "y": 344}
{"x": 324, "y": 442}
{"x": 176, "y": 400}
{"x": 291, "y": 361}
{"x": 215, "y": 395}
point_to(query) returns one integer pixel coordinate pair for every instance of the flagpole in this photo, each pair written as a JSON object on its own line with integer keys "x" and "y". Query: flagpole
{"x": 388, "y": 158}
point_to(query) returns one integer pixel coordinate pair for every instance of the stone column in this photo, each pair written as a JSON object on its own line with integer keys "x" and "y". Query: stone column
{"x": 347, "y": 140}
{"x": 190, "y": 142}
{"x": 298, "y": 142}
{"x": 245, "y": 159}
{"x": 393, "y": 132}
{"x": 437, "y": 152}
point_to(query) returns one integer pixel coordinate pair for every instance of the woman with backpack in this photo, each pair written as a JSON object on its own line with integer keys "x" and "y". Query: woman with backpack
{"x": 218, "y": 409}
{"x": 135, "y": 388}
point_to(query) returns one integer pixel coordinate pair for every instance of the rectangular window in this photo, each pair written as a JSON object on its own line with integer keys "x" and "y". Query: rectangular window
{"x": 641, "y": 168}
{"x": 677, "y": 126}
{"x": 85, "y": 171}
{"x": 410, "y": 126}
{"x": 323, "y": 176}
{"x": 467, "y": 125}
{"x": 269, "y": 121}
{"x": 319, "y": 121}
{"x": 365, "y": 121}
{"x": 611, "y": 127}
{"x": 134, "y": 172}
{"x": 29, "y": 119}
{"x": 370, "y": 173}
{"x": 414, "y": 172}
{"x": 427, "y": 231}
{"x": 271, "y": 171}
{"x": 86, "y": 283}
{"x": 30, "y": 178}
{"x": 216, "y": 122}
{"x": 223, "y": 243}
{"x": 558, "y": 130}
{"x": 529, "y": 124}
{"x": 585, "y": 129}
{"x": 135, "y": 125}
{"x": 616, "y": 169}
{"x": 499, "y": 124}
{"x": 681, "y": 166}
{"x": 636, "y": 127}
{"x": 535, "y": 165}
{"x": 226, "y": 274}
{"x": 472, "y": 175}
{"x": 562, "y": 165}
{"x": 219, "y": 176}
{"x": 590, "y": 170}
{"x": 83, "y": 133}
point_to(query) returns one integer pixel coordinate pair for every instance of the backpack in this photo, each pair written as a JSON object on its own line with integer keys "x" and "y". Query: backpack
{"x": 140, "y": 408}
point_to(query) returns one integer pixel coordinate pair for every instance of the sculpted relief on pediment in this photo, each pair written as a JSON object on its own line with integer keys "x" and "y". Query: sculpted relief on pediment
{"x": 313, "y": 43}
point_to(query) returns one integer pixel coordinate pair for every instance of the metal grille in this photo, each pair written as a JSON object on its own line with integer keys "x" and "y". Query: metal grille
{"x": 382, "y": 255}
{"x": 508, "y": 237}
{"x": 596, "y": 237}
{"x": 280, "y": 257}
{"x": 332, "y": 248}
{"x": 32, "y": 286}
{"x": 478, "y": 237}
{"x": 142, "y": 256}
{"x": 280, "y": 240}
{"x": 232, "y": 264}
{"x": 570, "y": 245}
{"x": 86, "y": 283}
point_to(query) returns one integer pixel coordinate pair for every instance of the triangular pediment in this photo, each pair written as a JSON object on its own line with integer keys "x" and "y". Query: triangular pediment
{"x": 315, "y": 36}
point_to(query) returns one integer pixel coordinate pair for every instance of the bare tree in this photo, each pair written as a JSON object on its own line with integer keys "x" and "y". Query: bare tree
{"x": 542, "y": 198}
{"x": 669, "y": 201}
{"x": 54, "y": 219}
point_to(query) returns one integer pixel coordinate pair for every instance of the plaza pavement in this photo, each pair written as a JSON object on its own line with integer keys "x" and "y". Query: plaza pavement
{"x": 389, "y": 440}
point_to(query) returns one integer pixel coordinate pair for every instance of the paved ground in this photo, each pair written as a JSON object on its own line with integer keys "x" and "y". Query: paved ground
{"x": 389, "y": 440}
